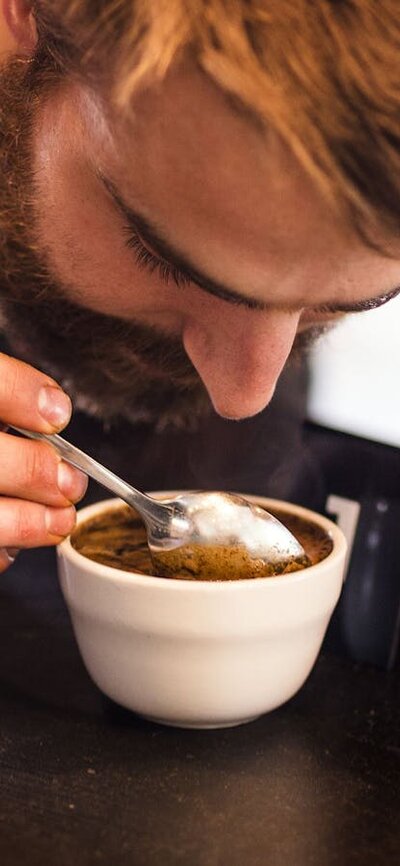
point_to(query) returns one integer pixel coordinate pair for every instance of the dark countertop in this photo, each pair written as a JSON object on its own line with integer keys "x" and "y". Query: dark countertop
{"x": 84, "y": 782}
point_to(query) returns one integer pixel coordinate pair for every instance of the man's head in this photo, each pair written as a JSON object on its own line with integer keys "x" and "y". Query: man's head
{"x": 214, "y": 176}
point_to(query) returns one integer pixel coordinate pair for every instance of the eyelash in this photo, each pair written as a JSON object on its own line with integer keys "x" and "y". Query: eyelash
{"x": 152, "y": 263}
{"x": 362, "y": 307}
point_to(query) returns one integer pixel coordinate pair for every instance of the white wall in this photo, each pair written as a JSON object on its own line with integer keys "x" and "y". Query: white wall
{"x": 355, "y": 376}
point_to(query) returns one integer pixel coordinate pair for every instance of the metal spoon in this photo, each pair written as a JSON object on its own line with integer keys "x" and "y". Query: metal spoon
{"x": 198, "y": 534}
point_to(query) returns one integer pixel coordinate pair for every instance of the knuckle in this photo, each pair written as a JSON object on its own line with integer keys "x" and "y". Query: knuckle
{"x": 27, "y": 530}
{"x": 11, "y": 384}
{"x": 39, "y": 468}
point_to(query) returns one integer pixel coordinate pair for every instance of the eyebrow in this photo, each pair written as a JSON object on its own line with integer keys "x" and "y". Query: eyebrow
{"x": 138, "y": 224}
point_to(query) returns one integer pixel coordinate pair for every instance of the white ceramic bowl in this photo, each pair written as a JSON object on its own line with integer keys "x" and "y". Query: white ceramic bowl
{"x": 200, "y": 654}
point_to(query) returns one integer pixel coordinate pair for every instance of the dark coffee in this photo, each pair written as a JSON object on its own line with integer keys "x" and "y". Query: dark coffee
{"x": 117, "y": 538}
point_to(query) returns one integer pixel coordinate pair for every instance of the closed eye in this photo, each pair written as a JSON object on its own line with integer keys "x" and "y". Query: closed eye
{"x": 154, "y": 264}
{"x": 172, "y": 266}
{"x": 148, "y": 261}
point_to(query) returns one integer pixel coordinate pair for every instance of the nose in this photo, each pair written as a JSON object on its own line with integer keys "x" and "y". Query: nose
{"x": 240, "y": 357}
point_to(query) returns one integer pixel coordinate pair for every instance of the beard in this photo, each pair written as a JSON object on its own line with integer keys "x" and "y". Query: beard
{"x": 111, "y": 368}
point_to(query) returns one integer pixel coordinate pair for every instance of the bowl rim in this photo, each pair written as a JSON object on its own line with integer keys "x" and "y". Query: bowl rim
{"x": 118, "y": 575}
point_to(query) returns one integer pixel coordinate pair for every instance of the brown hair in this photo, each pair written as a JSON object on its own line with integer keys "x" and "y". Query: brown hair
{"x": 323, "y": 74}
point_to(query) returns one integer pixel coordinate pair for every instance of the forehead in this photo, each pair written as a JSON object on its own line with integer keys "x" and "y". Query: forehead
{"x": 185, "y": 147}
{"x": 185, "y": 156}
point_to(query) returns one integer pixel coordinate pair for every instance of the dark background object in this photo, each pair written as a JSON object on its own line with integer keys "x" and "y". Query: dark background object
{"x": 366, "y": 623}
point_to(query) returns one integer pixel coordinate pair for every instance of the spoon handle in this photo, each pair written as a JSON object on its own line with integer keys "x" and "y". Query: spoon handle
{"x": 149, "y": 508}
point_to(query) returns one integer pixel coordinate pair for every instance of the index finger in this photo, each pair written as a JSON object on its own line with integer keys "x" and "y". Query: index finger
{"x": 31, "y": 399}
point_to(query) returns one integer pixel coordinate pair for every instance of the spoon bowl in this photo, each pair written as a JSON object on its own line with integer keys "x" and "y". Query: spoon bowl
{"x": 223, "y": 534}
{"x": 198, "y": 533}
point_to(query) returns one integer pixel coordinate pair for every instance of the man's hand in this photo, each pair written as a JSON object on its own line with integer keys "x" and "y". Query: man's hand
{"x": 37, "y": 488}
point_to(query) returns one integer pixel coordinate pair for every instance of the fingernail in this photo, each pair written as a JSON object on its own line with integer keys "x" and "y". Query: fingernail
{"x": 54, "y": 406}
{"x": 71, "y": 483}
{"x": 60, "y": 521}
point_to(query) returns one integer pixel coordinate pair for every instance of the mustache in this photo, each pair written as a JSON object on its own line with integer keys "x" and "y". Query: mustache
{"x": 110, "y": 368}
{"x": 115, "y": 345}
{"x": 306, "y": 340}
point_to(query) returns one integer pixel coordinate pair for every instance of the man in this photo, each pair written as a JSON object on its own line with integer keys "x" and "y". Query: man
{"x": 188, "y": 191}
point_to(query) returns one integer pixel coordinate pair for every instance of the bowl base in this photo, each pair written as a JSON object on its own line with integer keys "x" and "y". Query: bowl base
{"x": 204, "y": 726}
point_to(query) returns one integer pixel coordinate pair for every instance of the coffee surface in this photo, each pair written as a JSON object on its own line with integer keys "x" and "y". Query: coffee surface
{"x": 117, "y": 538}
